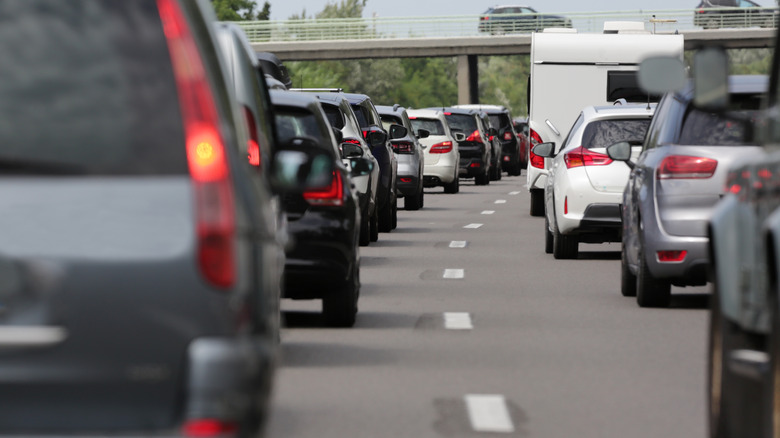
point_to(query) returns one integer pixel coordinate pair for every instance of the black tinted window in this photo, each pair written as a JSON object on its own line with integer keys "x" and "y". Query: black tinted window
{"x": 624, "y": 85}
{"x": 294, "y": 122}
{"x": 500, "y": 121}
{"x": 335, "y": 118}
{"x": 707, "y": 129}
{"x": 602, "y": 133}
{"x": 362, "y": 115}
{"x": 87, "y": 88}
{"x": 431, "y": 125}
{"x": 462, "y": 122}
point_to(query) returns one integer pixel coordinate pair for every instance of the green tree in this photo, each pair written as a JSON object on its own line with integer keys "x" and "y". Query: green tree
{"x": 240, "y": 10}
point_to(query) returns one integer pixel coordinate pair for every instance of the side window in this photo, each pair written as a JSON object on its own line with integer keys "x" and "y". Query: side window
{"x": 665, "y": 124}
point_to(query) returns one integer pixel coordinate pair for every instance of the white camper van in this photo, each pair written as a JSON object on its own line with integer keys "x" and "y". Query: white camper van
{"x": 570, "y": 71}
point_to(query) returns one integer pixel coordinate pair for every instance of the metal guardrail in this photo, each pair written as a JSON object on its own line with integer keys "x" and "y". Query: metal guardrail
{"x": 660, "y": 21}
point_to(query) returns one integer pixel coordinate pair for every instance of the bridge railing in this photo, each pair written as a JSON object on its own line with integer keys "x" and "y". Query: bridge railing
{"x": 659, "y": 21}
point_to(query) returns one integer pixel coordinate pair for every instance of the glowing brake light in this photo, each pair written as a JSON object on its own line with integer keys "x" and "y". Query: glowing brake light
{"x": 331, "y": 196}
{"x": 403, "y": 147}
{"x": 208, "y": 428}
{"x": 686, "y": 167}
{"x": 475, "y": 137}
{"x": 441, "y": 148}
{"x": 253, "y": 143}
{"x": 535, "y": 160}
{"x": 671, "y": 256}
{"x": 508, "y": 135}
{"x": 582, "y": 156}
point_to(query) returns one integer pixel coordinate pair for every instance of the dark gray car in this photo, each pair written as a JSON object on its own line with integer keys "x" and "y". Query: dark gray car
{"x": 674, "y": 186}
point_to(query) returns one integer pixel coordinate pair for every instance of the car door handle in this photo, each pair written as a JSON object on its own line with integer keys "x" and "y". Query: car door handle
{"x": 19, "y": 336}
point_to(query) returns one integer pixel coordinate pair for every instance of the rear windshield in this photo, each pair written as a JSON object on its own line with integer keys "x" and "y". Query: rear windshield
{"x": 602, "y": 133}
{"x": 500, "y": 121}
{"x": 433, "y": 126}
{"x": 294, "y": 122}
{"x": 335, "y": 118}
{"x": 87, "y": 88}
{"x": 362, "y": 115}
{"x": 707, "y": 129}
{"x": 462, "y": 122}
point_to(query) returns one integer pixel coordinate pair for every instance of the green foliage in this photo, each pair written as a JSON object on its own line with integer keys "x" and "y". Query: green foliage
{"x": 345, "y": 9}
{"x": 240, "y": 10}
{"x": 503, "y": 80}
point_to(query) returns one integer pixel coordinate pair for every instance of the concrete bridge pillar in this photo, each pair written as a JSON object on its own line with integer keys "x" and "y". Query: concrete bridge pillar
{"x": 468, "y": 79}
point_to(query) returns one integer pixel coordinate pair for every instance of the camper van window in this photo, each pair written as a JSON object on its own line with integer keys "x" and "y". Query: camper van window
{"x": 624, "y": 85}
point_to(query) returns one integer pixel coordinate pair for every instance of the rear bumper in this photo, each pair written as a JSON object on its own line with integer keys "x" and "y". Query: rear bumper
{"x": 409, "y": 187}
{"x": 692, "y": 271}
{"x": 471, "y": 167}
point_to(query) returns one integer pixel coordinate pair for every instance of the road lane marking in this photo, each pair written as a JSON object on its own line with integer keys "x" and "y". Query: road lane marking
{"x": 473, "y": 226}
{"x": 500, "y": 201}
{"x": 454, "y": 274}
{"x": 458, "y": 244}
{"x": 488, "y": 212}
{"x": 457, "y": 321}
{"x": 489, "y": 413}
{"x": 514, "y": 193}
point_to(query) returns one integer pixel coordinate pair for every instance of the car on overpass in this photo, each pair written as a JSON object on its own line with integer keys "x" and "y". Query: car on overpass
{"x": 714, "y": 14}
{"x": 518, "y": 19}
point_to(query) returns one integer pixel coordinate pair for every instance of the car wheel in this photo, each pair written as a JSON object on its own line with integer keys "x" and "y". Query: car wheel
{"x": 548, "y": 237}
{"x": 365, "y": 230}
{"x": 650, "y": 291}
{"x": 413, "y": 202}
{"x": 495, "y": 173}
{"x": 627, "y": 279}
{"x": 453, "y": 187}
{"x": 394, "y": 214}
{"x": 537, "y": 202}
{"x": 340, "y": 308}
{"x": 386, "y": 217}
{"x": 517, "y": 170}
{"x": 374, "y": 226}
{"x": 482, "y": 179}
{"x": 564, "y": 246}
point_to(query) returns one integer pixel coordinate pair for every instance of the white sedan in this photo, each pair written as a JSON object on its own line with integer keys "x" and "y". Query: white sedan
{"x": 584, "y": 186}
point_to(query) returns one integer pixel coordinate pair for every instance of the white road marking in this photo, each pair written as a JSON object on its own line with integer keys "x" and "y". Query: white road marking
{"x": 458, "y": 244}
{"x": 454, "y": 273}
{"x": 457, "y": 321}
{"x": 488, "y": 212}
{"x": 473, "y": 226}
{"x": 488, "y": 413}
{"x": 514, "y": 193}
{"x": 500, "y": 201}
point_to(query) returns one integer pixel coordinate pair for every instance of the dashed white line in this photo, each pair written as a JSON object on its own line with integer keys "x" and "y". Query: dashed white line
{"x": 458, "y": 244}
{"x": 488, "y": 413}
{"x": 514, "y": 193}
{"x": 488, "y": 212}
{"x": 500, "y": 201}
{"x": 457, "y": 321}
{"x": 453, "y": 273}
{"x": 473, "y": 226}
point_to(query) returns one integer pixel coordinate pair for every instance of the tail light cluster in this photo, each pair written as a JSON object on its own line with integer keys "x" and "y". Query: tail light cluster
{"x": 253, "y": 143}
{"x": 583, "y": 156}
{"x": 403, "y": 147}
{"x": 206, "y": 152}
{"x": 535, "y": 160}
{"x": 686, "y": 167}
{"x": 330, "y": 196}
{"x": 475, "y": 137}
{"x": 441, "y": 148}
{"x": 674, "y": 256}
{"x": 508, "y": 135}
{"x": 208, "y": 428}
{"x": 738, "y": 181}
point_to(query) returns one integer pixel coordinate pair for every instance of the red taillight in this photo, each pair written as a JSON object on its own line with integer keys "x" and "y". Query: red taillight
{"x": 352, "y": 140}
{"x": 253, "y": 143}
{"x": 671, "y": 256}
{"x": 208, "y": 428}
{"x": 206, "y": 154}
{"x": 403, "y": 147}
{"x": 507, "y": 135}
{"x": 475, "y": 137}
{"x": 365, "y": 134}
{"x": 582, "y": 156}
{"x": 475, "y": 164}
{"x": 566, "y": 205}
{"x": 441, "y": 148}
{"x": 405, "y": 180}
{"x": 686, "y": 167}
{"x": 535, "y": 160}
{"x": 331, "y": 196}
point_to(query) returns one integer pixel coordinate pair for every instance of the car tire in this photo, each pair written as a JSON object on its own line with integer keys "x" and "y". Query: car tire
{"x": 650, "y": 291}
{"x": 548, "y": 237}
{"x": 386, "y": 217}
{"x": 374, "y": 226}
{"x": 413, "y": 203}
{"x": 340, "y": 308}
{"x": 537, "y": 202}
{"x": 394, "y": 214}
{"x": 453, "y": 187}
{"x": 564, "y": 246}
{"x": 627, "y": 279}
{"x": 482, "y": 179}
{"x": 365, "y": 230}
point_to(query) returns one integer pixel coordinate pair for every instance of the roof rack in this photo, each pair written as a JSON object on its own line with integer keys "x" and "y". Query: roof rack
{"x": 321, "y": 90}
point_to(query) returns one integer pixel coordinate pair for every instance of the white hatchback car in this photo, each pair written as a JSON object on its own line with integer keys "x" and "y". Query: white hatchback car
{"x": 584, "y": 186}
{"x": 440, "y": 149}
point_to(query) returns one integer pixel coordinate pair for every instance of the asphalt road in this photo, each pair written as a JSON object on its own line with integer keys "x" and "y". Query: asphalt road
{"x": 511, "y": 343}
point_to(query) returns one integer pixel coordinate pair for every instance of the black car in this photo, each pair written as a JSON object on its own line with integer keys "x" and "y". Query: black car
{"x": 386, "y": 197}
{"x": 501, "y": 119}
{"x": 137, "y": 244}
{"x": 714, "y": 14}
{"x": 517, "y": 19}
{"x": 322, "y": 258}
{"x": 474, "y": 144}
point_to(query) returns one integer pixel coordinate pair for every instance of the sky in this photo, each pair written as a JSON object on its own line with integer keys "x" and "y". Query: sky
{"x": 283, "y": 9}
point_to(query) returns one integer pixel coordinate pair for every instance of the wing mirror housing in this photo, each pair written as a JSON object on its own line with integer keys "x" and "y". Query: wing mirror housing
{"x": 398, "y": 131}
{"x": 301, "y": 164}
{"x": 376, "y": 137}
{"x": 361, "y": 166}
{"x": 546, "y": 150}
{"x": 351, "y": 150}
{"x": 621, "y": 151}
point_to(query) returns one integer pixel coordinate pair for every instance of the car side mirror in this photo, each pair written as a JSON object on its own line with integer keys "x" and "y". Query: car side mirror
{"x": 376, "y": 137}
{"x": 546, "y": 150}
{"x": 351, "y": 150}
{"x": 621, "y": 152}
{"x": 301, "y": 164}
{"x": 398, "y": 131}
{"x": 361, "y": 166}
{"x": 459, "y": 136}
{"x": 423, "y": 133}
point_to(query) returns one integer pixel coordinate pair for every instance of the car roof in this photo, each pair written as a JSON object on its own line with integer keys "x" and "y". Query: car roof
{"x": 356, "y": 97}
{"x": 455, "y": 110}
{"x": 293, "y": 98}
{"x": 427, "y": 113}
{"x": 610, "y": 111}
{"x": 386, "y": 109}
